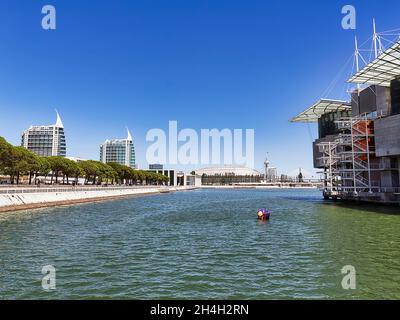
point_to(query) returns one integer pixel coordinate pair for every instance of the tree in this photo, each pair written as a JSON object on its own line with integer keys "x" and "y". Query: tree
{"x": 57, "y": 164}
{"x": 5, "y": 154}
{"x": 105, "y": 172}
{"x": 97, "y": 172}
{"x": 119, "y": 172}
{"x": 163, "y": 179}
{"x": 17, "y": 161}
{"x": 134, "y": 176}
{"x": 69, "y": 169}
{"x": 44, "y": 167}
{"x": 90, "y": 170}
{"x": 141, "y": 176}
{"x": 20, "y": 162}
{"x": 34, "y": 165}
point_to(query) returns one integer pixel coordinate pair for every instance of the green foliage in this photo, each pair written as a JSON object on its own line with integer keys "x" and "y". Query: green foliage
{"x": 18, "y": 161}
{"x": 5, "y": 155}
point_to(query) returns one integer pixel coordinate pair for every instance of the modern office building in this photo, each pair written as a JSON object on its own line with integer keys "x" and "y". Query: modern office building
{"x": 121, "y": 151}
{"x": 46, "y": 141}
{"x": 358, "y": 149}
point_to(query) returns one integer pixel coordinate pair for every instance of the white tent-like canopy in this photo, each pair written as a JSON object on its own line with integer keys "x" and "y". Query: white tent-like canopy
{"x": 320, "y": 108}
{"x": 382, "y": 70}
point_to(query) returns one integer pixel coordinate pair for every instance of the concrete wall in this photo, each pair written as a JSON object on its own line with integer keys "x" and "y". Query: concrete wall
{"x": 21, "y": 199}
{"x": 383, "y": 100}
{"x": 373, "y": 98}
{"x": 316, "y": 153}
{"x": 395, "y": 96}
{"x": 389, "y": 177}
{"x": 387, "y": 136}
{"x": 368, "y": 100}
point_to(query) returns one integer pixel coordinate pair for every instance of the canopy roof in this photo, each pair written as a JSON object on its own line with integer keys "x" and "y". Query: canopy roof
{"x": 382, "y": 70}
{"x": 320, "y": 108}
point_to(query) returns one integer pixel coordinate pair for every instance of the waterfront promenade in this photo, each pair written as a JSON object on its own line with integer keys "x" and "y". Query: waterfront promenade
{"x": 22, "y": 198}
{"x": 266, "y": 186}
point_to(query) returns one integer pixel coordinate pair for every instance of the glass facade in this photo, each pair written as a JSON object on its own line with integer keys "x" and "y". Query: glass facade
{"x": 119, "y": 151}
{"x": 45, "y": 141}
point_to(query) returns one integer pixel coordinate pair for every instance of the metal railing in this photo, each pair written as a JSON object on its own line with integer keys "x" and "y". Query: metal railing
{"x": 24, "y": 190}
{"x": 374, "y": 189}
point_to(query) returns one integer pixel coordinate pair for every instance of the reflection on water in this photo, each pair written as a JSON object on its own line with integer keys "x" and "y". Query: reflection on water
{"x": 203, "y": 245}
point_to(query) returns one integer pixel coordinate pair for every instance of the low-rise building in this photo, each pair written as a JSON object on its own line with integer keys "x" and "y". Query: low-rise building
{"x": 228, "y": 175}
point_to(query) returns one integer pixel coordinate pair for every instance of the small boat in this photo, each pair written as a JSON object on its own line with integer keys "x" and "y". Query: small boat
{"x": 264, "y": 214}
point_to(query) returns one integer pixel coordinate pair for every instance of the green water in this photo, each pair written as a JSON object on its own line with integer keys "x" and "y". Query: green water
{"x": 202, "y": 245}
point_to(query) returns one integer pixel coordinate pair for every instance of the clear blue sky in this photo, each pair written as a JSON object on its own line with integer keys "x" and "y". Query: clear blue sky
{"x": 207, "y": 64}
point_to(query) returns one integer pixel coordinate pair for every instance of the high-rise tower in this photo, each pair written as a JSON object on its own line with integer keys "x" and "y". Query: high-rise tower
{"x": 46, "y": 141}
{"x": 121, "y": 151}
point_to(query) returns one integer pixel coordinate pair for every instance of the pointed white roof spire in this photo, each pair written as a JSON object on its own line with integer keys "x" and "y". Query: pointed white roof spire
{"x": 375, "y": 38}
{"x": 59, "y": 123}
{"x": 129, "y": 135}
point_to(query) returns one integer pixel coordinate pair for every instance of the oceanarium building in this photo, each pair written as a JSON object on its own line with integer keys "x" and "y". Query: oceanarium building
{"x": 121, "y": 151}
{"x": 358, "y": 148}
{"x": 46, "y": 141}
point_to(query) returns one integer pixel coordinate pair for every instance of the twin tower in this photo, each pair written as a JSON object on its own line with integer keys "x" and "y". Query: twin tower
{"x": 47, "y": 141}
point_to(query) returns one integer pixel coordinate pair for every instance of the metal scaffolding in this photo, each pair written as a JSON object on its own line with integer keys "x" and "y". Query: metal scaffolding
{"x": 330, "y": 162}
{"x": 350, "y": 159}
{"x": 357, "y": 153}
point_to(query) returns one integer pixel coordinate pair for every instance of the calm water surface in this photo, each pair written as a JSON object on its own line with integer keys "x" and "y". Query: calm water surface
{"x": 202, "y": 245}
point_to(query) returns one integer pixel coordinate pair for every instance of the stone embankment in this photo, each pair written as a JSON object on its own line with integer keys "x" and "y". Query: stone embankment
{"x": 20, "y": 198}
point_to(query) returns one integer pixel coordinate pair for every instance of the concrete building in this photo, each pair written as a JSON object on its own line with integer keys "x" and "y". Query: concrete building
{"x": 5, "y": 180}
{"x": 121, "y": 151}
{"x": 228, "y": 175}
{"x": 76, "y": 159}
{"x": 176, "y": 178}
{"x": 272, "y": 174}
{"x": 358, "y": 149}
{"x": 46, "y": 141}
{"x": 156, "y": 167}
{"x": 171, "y": 174}
{"x": 192, "y": 180}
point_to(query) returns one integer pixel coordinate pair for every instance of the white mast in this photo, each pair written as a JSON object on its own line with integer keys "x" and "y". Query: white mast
{"x": 357, "y": 53}
{"x": 377, "y": 41}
